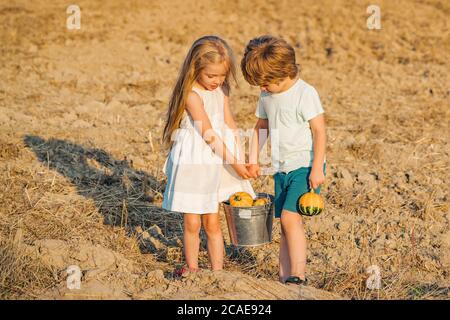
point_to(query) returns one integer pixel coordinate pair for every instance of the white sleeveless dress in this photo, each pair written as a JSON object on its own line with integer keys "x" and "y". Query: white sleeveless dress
{"x": 197, "y": 178}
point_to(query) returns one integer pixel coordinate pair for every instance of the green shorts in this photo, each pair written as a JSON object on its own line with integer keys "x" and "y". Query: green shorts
{"x": 289, "y": 187}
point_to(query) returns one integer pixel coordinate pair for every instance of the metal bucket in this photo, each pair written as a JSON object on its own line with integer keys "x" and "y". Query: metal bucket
{"x": 250, "y": 226}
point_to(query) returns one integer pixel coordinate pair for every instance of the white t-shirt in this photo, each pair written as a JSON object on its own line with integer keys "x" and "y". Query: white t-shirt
{"x": 288, "y": 113}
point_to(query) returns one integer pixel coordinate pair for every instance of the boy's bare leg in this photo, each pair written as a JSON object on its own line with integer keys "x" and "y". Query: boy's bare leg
{"x": 292, "y": 225}
{"x": 285, "y": 264}
{"x": 191, "y": 239}
{"x": 211, "y": 223}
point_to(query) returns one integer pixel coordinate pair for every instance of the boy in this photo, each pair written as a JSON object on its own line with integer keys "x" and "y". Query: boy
{"x": 290, "y": 111}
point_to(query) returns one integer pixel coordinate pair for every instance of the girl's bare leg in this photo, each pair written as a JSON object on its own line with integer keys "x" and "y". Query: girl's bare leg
{"x": 211, "y": 223}
{"x": 191, "y": 239}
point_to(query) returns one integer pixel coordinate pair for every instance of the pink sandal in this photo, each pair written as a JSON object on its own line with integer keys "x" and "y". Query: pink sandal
{"x": 179, "y": 272}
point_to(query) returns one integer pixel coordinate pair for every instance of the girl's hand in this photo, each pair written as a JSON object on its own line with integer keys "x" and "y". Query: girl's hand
{"x": 241, "y": 170}
{"x": 254, "y": 170}
{"x": 316, "y": 178}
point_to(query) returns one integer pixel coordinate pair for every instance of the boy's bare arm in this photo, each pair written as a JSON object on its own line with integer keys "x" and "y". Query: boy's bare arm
{"x": 317, "y": 125}
{"x": 259, "y": 137}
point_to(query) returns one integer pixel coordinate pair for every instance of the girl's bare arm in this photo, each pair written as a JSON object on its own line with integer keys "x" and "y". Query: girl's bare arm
{"x": 194, "y": 106}
{"x": 229, "y": 120}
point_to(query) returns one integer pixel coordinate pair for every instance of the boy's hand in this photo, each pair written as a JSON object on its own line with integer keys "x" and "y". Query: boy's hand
{"x": 316, "y": 178}
{"x": 241, "y": 170}
{"x": 254, "y": 170}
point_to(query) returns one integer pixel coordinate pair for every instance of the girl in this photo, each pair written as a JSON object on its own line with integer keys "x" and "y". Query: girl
{"x": 201, "y": 133}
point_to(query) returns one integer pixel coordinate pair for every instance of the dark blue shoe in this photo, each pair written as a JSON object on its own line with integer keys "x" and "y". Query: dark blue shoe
{"x": 297, "y": 281}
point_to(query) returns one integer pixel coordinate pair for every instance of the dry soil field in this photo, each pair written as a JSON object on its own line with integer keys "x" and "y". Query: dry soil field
{"x": 81, "y": 114}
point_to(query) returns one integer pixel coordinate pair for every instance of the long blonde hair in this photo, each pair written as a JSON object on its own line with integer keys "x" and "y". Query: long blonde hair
{"x": 206, "y": 50}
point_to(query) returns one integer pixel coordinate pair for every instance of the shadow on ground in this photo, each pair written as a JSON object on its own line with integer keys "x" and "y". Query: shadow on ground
{"x": 122, "y": 194}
